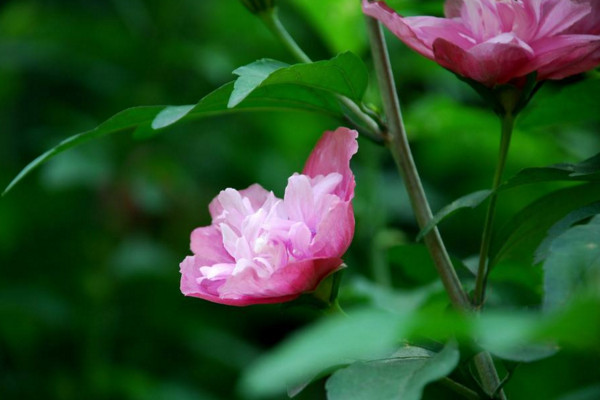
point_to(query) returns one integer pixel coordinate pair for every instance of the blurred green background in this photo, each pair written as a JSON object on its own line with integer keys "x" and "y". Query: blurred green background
{"x": 90, "y": 243}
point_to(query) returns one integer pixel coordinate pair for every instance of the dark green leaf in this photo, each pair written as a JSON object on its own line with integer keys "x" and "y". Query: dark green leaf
{"x": 403, "y": 376}
{"x": 471, "y": 200}
{"x": 561, "y": 226}
{"x": 521, "y": 235}
{"x": 573, "y": 104}
{"x": 573, "y": 263}
{"x": 588, "y": 170}
{"x": 126, "y": 119}
{"x": 588, "y": 393}
{"x": 335, "y": 341}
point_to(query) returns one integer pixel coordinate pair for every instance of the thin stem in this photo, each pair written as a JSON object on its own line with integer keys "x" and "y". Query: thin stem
{"x": 335, "y": 308}
{"x": 398, "y": 144}
{"x": 400, "y": 149}
{"x": 482, "y": 270}
{"x": 272, "y": 21}
{"x": 460, "y": 389}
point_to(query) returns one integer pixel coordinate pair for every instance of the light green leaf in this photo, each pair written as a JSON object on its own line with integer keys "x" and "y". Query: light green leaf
{"x": 344, "y": 74}
{"x": 169, "y": 115}
{"x": 304, "y": 87}
{"x": 403, "y": 376}
{"x": 573, "y": 263}
{"x": 250, "y": 77}
{"x": 344, "y": 32}
{"x": 471, "y": 200}
{"x": 336, "y": 341}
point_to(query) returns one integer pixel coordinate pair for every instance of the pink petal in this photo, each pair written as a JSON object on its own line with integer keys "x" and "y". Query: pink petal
{"x": 489, "y": 63}
{"x": 255, "y": 193}
{"x": 559, "y": 15}
{"x": 591, "y": 23}
{"x": 192, "y": 283}
{"x": 332, "y": 154}
{"x": 335, "y": 232}
{"x": 284, "y": 285}
{"x": 566, "y": 55}
{"x": 418, "y": 33}
{"x": 207, "y": 244}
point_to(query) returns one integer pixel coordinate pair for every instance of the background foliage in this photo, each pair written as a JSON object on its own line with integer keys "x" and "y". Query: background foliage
{"x": 90, "y": 243}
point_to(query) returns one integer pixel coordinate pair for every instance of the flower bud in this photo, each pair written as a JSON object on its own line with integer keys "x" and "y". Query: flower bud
{"x": 259, "y": 6}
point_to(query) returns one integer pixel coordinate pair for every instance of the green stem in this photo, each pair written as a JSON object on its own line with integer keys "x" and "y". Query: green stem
{"x": 272, "y": 21}
{"x": 398, "y": 144}
{"x": 482, "y": 270}
{"x": 460, "y": 389}
{"x": 334, "y": 309}
{"x": 400, "y": 149}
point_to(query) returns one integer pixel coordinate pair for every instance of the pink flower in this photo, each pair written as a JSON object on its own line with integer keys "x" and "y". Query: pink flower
{"x": 498, "y": 41}
{"x": 262, "y": 249}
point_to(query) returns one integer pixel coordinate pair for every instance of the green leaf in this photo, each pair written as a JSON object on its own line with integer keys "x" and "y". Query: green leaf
{"x": 528, "y": 352}
{"x": 344, "y": 74}
{"x": 169, "y": 115}
{"x": 304, "y": 87}
{"x": 250, "y": 77}
{"x": 588, "y": 393}
{"x": 366, "y": 334}
{"x": 403, "y": 376}
{"x": 521, "y": 235}
{"x": 573, "y": 262}
{"x": 471, "y": 200}
{"x": 587, "y": 170}
{"x": 126, "y": 119}
{"x": 345, "y": 31}
{"x": 573, "y": 104}
{"x": 561, "y": 226}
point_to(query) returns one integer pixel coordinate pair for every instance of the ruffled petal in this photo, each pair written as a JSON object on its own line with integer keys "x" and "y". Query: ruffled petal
{"x": 193, "y": 282}
{"x": 489, "y": 63}
{"x": 566, "y": 55}
{"x": 207, "y": 244}
{"x": 335, "y": 231}
{"x": 419, "y": 33}
{"x": 256, "y": 195}
{"x": 284, "y": 285}
{"x": 557, "y": 16}
{"x": 332, "y": 154}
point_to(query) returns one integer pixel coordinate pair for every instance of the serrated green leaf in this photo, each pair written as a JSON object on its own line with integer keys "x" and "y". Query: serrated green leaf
{"x": 471, "y": 200}
{"x": 522, "y": 234}
{"x": 366, "y": 334}
{"x": 403, "y": 376}
{"x": 573, "y": 262}
{"x": 250, "y": 77}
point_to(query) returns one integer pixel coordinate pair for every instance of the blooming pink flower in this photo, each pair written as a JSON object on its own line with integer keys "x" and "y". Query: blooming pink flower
{"x": 262, "y": 249}
{"x": 498, "y": 41}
